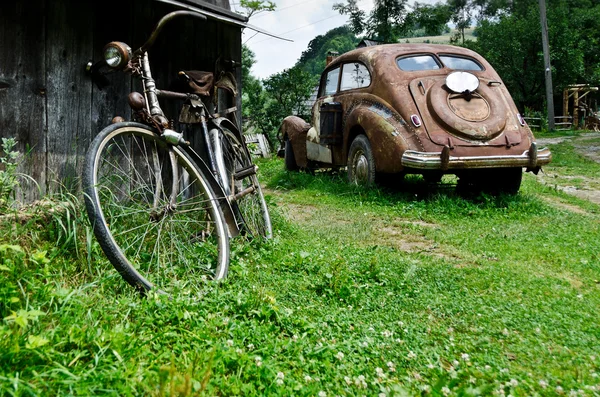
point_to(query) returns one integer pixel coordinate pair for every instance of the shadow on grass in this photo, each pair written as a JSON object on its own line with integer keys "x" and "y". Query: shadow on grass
{"x": 392, "y": 189}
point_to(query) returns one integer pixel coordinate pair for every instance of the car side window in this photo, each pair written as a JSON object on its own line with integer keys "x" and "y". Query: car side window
{"x": 418, "y": 62}
{"x": 330, "y": 84}
{"x": 354, "y": 75}
{"x": 460, "y": 63}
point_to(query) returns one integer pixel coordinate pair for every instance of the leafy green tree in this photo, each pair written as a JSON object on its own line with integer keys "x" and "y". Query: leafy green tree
{"x": 385, "y": 22}
{"x": 340, "y": 40}
{"x": 253, "y": 7}
{"x": 431, "y": 18}
{"x": 461, "y": 15}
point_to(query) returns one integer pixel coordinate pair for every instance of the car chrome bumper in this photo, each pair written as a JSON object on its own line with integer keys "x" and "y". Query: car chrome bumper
{"x": 531, "y": 158}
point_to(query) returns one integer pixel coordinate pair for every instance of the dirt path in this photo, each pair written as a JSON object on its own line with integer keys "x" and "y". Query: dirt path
{"x": 589, "y": 188}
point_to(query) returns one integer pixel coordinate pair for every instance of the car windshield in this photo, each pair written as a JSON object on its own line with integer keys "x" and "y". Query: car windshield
{"x": 459, "y": 63}
{"x": 418, "y": 62}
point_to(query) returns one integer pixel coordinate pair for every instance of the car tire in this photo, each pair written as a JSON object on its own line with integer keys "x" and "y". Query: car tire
{"x": 289, "y": 158}
{"x": 361, "y": 163}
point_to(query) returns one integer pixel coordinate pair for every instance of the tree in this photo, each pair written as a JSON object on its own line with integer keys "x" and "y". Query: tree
{"x": 433, "y": 19}
{"x": 461, "y": 12}
{"x": 385, "y": 22}
{"x": 340, "y": 40}
{"x": 253, "y": 7}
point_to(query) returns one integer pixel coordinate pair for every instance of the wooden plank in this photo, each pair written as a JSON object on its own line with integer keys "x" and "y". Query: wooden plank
{"x": 22, "y": 100}
{"x": 110, "y": 101}
{"x": 69, "y": 91}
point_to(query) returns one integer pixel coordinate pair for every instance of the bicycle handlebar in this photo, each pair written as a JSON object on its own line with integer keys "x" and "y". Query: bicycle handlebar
{"x": 164, "y": 20}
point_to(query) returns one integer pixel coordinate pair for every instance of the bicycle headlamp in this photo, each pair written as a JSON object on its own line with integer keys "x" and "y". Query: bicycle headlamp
{"x": 117, "y": 54}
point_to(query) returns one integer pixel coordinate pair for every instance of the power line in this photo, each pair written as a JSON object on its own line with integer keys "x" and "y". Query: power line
{"x": 301, "y": 27}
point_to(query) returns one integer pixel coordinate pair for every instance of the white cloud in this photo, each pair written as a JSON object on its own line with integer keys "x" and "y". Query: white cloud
{"x": 298, "y": 20}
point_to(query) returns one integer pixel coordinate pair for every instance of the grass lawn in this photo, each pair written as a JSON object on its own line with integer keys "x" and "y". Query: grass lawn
{"x": 404, "y": 291}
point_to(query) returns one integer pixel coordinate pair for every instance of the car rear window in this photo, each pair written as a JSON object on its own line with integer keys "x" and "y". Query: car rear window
{"x": 354, "y": 75}
{"x": 460, "y": 63}
{"x": 418, "y": 62}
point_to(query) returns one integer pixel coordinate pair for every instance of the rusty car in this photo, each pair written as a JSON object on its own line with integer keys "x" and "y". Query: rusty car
{"x": 428, "y": 109}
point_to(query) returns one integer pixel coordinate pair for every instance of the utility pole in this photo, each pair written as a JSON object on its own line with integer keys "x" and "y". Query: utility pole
{"x": 548, "y": 69}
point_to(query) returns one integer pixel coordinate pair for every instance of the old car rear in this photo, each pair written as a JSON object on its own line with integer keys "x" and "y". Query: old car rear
{"x": 424, "y": 109}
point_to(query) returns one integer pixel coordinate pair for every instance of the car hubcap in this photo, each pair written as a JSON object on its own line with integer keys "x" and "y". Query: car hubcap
{"x": 361, "y": 169}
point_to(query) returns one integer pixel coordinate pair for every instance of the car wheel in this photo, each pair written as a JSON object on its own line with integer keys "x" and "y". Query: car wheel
{"x": 361, "y": 164}
{"x": 493, "y": 181}
{"x": 290, "y": 159}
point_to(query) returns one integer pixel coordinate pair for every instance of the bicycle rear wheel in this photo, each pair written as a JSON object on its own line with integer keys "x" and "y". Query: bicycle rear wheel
{"x": 155, "y": 217}
{"x": 238, "y": 176}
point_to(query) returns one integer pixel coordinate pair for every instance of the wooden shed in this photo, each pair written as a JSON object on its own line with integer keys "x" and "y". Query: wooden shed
{"x": 49, "y": 103}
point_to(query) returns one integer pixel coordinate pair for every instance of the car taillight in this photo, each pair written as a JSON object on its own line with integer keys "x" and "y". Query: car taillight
{"x": 521, "y": 120}
{"x": 416, "y": 120}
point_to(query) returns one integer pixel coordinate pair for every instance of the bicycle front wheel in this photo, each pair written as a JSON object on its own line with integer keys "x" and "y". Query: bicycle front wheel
{"x": 156, "y": 218}
{"x": 238, "y": 176}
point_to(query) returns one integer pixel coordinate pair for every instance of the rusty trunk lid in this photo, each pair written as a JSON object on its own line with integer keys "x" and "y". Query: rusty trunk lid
{"x": 483, "y": 116}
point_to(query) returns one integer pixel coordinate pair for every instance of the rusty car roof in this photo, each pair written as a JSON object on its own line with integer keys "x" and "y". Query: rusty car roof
{"x": 400, "y": 49}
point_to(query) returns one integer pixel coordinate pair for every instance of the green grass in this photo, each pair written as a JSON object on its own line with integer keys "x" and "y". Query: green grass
{"x": 397, "y": 291}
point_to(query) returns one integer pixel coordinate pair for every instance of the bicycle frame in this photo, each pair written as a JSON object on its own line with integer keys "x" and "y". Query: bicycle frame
{"x": 148, "y": 109}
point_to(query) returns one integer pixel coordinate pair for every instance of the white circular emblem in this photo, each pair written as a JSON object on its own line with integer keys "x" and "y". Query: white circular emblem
{"x": 460, "y": 82}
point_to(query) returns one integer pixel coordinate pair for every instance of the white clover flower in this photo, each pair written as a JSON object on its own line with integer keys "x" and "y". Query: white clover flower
{"x": 455, "y": 363}
{"x": 280, "y": 375}
{"x": 379, "y": 372}
{"x": 391, "y": 366}
{"x": 505, "y": 331}
{"x": 386, "y": 333}
{"x": 487, "y": 367}
{"x": 360, "y": 382}
{"x": 251, "y": 346}
{"x": 339, "y": 356}
{"x": 430, "y": 366}
{"x": 543, "y": 384}
{"x": 295, "y": 338}
{"x": 322, "y": 394}
{"x": 464, "y": 356}
{"x": 559, "y": 390}
{"x": 239, "y": 351}
{"x": 348, "y": 380}
{"x": 381, "y": 394}
{"x": 229, "y": 342}
{"x": 258, "y": 361}
{"x": 279, "y": 382}
{"x": 307, "y": 378}
{"x": 445, "y": 390}
{"x": 411, "y": 355}
{"x": 514, "y": 382}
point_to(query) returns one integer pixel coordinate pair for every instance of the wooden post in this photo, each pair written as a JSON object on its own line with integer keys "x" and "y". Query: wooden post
{"x": 548, "y": 70}
{"x": 576, "y": 109}
{"x": 565, "y": 105}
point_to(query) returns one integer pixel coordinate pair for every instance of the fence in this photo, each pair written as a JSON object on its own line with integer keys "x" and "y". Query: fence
{"x": 561, "y": 123}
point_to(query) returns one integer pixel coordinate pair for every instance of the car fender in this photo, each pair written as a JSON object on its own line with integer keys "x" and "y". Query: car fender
{"x": 389, "y": 135}
{"x": 295, "y": 130}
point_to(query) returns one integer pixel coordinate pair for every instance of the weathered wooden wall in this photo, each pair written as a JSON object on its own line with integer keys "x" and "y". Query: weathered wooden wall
{"x": 51, "y": 106}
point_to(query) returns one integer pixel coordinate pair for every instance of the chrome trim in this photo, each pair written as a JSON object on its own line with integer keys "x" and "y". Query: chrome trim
{"x": 433, "y": 161}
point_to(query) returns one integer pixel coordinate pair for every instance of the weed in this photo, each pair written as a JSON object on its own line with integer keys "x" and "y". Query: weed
{"x": 8, "y": 175}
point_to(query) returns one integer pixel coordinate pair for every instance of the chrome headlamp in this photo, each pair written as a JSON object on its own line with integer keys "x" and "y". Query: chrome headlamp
{"x": 117, "y": 54}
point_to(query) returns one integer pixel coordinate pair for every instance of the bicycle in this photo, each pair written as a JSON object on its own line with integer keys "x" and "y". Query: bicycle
{"x": 161, "y": 210}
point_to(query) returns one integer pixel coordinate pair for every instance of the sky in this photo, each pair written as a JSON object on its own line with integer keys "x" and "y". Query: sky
{"x": 298, "y": 20}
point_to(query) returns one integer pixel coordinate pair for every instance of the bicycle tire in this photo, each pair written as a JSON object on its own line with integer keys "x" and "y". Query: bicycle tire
{"x": 252, "y": 213}
{"x": 155, "y": 239}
